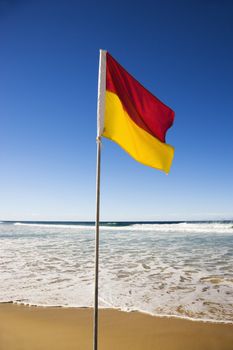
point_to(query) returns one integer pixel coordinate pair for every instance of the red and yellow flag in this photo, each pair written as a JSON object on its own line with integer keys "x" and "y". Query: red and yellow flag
{"x": 132, "y": 117}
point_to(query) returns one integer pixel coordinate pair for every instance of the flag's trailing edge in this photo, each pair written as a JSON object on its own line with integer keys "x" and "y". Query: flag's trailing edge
{"x": 131, "y": 116}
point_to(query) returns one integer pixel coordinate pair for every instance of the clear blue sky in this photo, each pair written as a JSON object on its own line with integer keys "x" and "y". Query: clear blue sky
{"x": 180, "y": 50}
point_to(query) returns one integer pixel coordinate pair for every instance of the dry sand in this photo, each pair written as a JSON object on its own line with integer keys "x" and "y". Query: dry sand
{"x": 34, "y": 328}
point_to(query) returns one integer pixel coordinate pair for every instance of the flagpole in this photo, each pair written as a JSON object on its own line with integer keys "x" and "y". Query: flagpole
{"x": 100, "y": 122}
{"x": 95, "y": 332}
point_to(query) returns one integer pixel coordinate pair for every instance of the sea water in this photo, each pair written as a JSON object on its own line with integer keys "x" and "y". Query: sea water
{"x": 176, "y": 269}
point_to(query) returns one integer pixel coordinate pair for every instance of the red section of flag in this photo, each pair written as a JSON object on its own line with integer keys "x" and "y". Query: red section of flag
{"x": 147, "y": 111}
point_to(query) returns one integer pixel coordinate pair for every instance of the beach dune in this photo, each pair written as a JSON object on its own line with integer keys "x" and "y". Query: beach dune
{"x": 49, "y": 328}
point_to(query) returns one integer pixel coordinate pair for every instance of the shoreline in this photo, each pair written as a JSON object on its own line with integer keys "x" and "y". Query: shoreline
{"x": 57, "y": 328}
{"x": 172, "y": 316}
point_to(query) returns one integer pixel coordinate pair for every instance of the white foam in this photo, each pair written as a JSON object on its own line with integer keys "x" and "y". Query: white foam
{"x": 43, "y": 225}
{"x": 186, "y": 227}
{"x": 160, "y": 272}
{"x": 216, "y": 228}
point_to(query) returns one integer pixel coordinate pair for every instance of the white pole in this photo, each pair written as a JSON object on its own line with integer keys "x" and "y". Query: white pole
{"x": 100, "y": 122}
{"x": 95, "y": 334}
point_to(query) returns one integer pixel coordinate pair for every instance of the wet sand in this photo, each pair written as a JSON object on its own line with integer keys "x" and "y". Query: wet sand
{"x": 37, "y": 328}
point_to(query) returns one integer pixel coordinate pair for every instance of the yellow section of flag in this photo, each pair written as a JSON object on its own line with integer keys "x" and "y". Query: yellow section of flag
{"x": 142, "y": 146}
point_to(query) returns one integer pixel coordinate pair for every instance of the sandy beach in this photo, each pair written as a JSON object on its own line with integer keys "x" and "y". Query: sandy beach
{"x": 24, "y": 328}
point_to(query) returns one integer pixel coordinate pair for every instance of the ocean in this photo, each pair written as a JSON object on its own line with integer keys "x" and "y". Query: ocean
{"x": 182, "y": 269}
